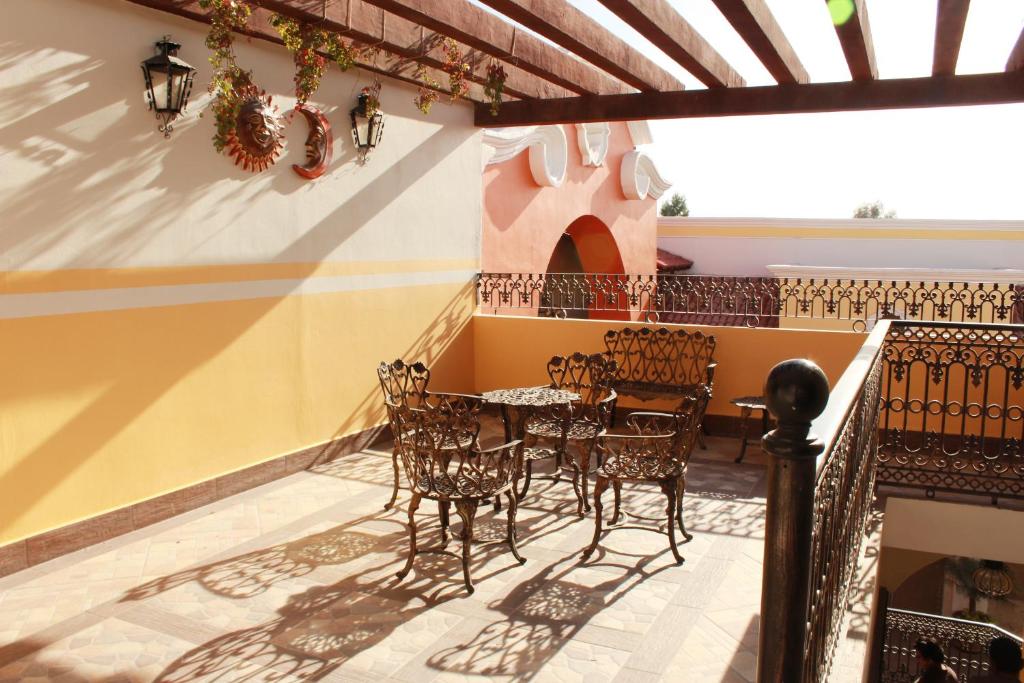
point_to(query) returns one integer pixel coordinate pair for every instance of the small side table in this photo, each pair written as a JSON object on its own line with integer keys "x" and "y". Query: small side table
{"x": 747, "y": 405}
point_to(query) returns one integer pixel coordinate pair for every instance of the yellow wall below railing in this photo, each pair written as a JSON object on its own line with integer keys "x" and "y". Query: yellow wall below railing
{"x": 106, "y": 409}
{"x": 102, "y": 410}
{"x": 513, "y": 351}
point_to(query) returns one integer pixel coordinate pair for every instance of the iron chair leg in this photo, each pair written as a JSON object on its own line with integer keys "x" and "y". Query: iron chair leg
{"x": 513, "y": 504}
{"x": 599, "y": 487}
{"x": 413, "y": 505}
{"x": 617, "y": 488}
{"x": 467, "y": 511}
{"x": 394, "y": 492}
{"x": 444, "y": 512}
{"x": 680, "y": 491}
{"x": 668, "y": 486}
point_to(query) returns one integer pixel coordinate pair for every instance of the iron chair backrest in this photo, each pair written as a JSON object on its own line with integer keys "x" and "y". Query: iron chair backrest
{"x": 661, "y": 444}
{"x": 661, "y": 358}
{"x": 590, "y": 376}
{"x": 404, "y": 384}
{"x": 441, "y": 455}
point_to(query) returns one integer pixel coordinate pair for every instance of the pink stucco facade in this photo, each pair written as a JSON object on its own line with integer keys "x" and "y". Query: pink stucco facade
{"x": 523, "y": 222}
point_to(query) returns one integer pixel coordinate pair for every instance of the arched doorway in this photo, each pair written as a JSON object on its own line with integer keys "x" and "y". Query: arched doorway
{"x": 586, "y": 247}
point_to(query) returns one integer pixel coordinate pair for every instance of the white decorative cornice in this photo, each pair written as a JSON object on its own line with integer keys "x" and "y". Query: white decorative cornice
{"x": 640, "y": 178}
{"x": 549, "y": 150}
{"x": 996, "y": 276}
{"x": 771, "y": 226}
{"x": 593, "y": 139}
{"x": 640, "y": 132}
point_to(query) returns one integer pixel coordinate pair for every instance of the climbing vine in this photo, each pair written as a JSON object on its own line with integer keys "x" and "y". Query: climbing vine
{"x": 426, "y": 95}
{"x": 312, "y": 49}
{"x": 308, "y": 43}
{"x": 226, "y": 17}
{"x": 372, "y": 93}
{"x": 456, "y": 67}
{"x": 495, "y": 85}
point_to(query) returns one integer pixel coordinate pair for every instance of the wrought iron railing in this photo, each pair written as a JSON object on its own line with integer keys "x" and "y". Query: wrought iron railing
{"x": 927, "y": 404}
{"x": 820, "y": 488}
{"x": 965, "y": 644}
{"x": 953, "y": 408}
{"x": 748, "y": 301}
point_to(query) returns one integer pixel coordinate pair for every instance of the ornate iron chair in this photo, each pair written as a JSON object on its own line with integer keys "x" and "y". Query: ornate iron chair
{"x": 443, "y": 462}
{"x": 404, "y": 385}
{"x": 578, "y": 424}
{"x": 658, "y": 451}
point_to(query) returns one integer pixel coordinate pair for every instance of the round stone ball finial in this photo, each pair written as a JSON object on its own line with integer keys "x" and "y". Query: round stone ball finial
{"x": 796, "y": 391}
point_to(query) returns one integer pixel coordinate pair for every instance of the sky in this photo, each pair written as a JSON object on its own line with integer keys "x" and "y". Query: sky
{"x": 952, "y": 162}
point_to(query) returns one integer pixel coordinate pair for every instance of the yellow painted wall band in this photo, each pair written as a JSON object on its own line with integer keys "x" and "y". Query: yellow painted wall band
{"x": 33, "y": 281}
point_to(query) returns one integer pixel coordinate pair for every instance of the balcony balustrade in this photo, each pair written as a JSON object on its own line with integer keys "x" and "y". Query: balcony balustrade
{"x": 748, "y": 301}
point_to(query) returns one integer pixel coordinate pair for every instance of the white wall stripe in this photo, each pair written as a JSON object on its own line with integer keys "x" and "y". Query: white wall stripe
{"x": 94, "y": 300}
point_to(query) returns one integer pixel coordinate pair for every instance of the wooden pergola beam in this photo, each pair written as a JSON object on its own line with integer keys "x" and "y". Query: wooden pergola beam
{"x": 490, "y": 34}
{"x": 660, "y": 23}
{"x": 896, "y": 93}
{"x": 949, "y": 32}
{"x": 1016, "y": 60}
{"x": 259, "y": 27}
{"x": 855, "y": 39}
{"x": 371, "y": 25}
{"x": 757, "y": 26}
{"x": 566, "y": 26}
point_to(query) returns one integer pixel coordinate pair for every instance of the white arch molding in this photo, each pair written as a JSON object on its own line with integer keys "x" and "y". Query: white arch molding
{"x": 593, "y": 139}
{"x": 640, "y": 178}
{"x": 549, "y": 150}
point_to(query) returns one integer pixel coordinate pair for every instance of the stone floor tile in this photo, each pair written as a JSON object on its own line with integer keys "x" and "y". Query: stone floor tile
{"x": 295, "y": 580}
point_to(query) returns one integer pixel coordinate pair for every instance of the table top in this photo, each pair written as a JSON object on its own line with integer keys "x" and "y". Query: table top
{"x": 530, "y": 396}
{"x": 755, "y": 402}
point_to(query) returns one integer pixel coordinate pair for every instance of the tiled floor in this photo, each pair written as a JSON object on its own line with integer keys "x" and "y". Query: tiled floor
{"x": 295, "y": 581}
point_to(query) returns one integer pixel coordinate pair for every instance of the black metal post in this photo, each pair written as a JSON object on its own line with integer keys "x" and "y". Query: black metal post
{"x": 796, "y": 392}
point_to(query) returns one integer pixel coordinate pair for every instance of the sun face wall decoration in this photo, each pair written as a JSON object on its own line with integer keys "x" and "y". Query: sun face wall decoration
{"x": 257, "y": 138}
{"x": 319, "y": 144}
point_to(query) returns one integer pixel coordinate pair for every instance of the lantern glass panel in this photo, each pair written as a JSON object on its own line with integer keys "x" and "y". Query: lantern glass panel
{"x": 363, "y": 128}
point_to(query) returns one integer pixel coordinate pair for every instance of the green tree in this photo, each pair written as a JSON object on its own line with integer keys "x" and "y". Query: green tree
{"x": 873, "y": 210}
{"x": 676, "y": 206}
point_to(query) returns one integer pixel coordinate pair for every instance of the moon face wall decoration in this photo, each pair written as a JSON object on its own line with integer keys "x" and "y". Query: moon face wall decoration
{"x": 257, "y": 138}
{"x": 319, "y": 143}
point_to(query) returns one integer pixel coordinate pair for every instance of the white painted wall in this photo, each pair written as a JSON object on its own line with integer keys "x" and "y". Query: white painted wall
{"x": 747, "y": 246}
{"x": 88, "y": 182}
{"x": 954, "y": 529}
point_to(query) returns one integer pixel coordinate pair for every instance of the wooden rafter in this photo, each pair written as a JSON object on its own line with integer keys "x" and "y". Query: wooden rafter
{"x": 660, "y": 23}
{"x": 490, "y": 34}
{"x": 855, "y": 39}
{"x": 757, "y": 26}
{"x": 1016, "y": 60}
{"x": 949, "y": 31}
{"x": 259, "y": 26}
{"x": 564, "y": 25}
{"x": 371, "y": 25}
{"x": 896, "y": 93}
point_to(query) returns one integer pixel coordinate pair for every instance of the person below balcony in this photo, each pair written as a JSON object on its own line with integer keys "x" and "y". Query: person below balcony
{"x": 1004, "y": 662}
{"x": 930, "y": 663}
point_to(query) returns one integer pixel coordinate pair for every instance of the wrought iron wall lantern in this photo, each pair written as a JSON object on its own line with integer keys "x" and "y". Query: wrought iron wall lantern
{"x": 367, "y": 126}
{"x": 168, "y": 83}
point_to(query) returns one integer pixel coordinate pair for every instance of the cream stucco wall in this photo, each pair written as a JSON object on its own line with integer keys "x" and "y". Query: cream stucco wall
{"x": 166, "y": 317}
